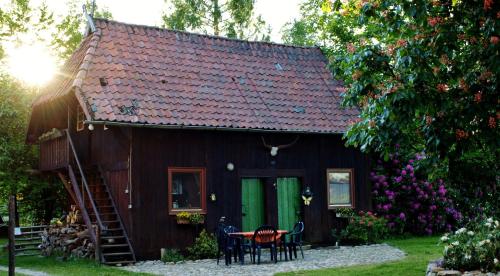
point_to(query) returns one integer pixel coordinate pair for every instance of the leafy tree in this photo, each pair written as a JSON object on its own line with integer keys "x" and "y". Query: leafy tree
{"x": 70, "y": 30}
{"x": 424, "y": 75}
{"x": 20, "y": 18}
{"x": 231, "y": 18}
{"x": 311, "y": 28}
{"x": 41, "y": 197}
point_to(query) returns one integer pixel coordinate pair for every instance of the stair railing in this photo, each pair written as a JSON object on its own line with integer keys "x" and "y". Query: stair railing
{"x": 85, "y": 190}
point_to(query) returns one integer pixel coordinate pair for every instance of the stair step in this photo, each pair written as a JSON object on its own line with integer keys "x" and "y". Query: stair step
{"x": 112, "y": 237}
{"x": 119, "y": 262}
{"x": 117, "y": 254}
{"x": 33, "y": 227}
{"x": 27, "y": 254}
{"x": 30, "y": 233}
{"x": 101, "y": 199}
{"x": 114, "y": 229}
{"x": 114, "y": 245}
{"x": 27, "y": 244}
{"x": 104, "y": 214}
{"x": 27, "y": 249}
{"x": 38, "y": 238}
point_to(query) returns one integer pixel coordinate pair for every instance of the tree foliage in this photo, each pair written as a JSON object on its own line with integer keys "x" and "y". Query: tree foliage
{"x": 231, "y": 18}
{"x": 21, "y": 22}
{"x": 40, "y": 196}
{"x": 424, "y": 75}
{"x": 311, "y": 28}
{"x": 70, "y": 29}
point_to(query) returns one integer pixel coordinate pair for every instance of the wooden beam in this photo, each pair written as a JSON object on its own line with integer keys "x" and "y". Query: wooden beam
{"x": 12, "y": 239}
{"x": 67, "y": 185}
{"x": 81, "y": 204}
{"x": 97, "y": 247}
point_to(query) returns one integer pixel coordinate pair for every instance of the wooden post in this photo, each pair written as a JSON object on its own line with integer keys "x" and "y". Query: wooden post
{"x": 97, "y": 245}
{"x": 12, "y": 226}
{"x": 16, "y": 213}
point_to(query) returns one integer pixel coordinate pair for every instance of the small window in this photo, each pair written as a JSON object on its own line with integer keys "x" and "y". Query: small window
{"x": 186, "y": 190}
{"x": 80, "y": 117}
{"x": 340, "y": 184}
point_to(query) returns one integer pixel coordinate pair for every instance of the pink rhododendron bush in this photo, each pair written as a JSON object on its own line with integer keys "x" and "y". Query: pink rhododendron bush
{"x": 475, "y": 247}
{"x": 408, "y": 200}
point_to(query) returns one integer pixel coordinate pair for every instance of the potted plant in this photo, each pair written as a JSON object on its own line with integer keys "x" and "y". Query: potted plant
{"x": 183, "y": 218}
{"x": 196, "y": 219}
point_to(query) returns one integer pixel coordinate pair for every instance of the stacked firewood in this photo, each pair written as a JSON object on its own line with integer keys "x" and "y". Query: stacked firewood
{"x": 71, "y": 240}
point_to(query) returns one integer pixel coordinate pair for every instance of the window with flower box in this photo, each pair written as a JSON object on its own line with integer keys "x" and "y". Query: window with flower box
{"x": 186, "y": 190}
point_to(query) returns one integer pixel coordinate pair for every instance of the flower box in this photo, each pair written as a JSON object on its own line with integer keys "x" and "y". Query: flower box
{"x": 183, "y": 221}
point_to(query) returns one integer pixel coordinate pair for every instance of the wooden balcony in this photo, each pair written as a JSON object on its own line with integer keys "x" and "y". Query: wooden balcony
{"x": 54, "y": 153}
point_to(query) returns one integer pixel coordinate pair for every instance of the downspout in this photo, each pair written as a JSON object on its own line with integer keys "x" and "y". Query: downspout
{"x": 130, "y": 170}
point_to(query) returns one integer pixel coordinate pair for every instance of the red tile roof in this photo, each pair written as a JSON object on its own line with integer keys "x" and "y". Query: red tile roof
{"x": 152, "y": 76}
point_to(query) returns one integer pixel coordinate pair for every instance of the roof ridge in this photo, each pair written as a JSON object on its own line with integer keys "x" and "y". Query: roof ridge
{"x": 205, "y": 35}
{"x": 44, "y": 92}
{"x": 82, "y": 72}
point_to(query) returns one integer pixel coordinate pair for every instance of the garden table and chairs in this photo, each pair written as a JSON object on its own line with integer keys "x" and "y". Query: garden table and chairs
{"x": 235, "y": 244}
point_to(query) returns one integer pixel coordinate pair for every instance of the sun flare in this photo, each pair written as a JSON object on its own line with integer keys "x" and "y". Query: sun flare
{"x": 32, "y": 64}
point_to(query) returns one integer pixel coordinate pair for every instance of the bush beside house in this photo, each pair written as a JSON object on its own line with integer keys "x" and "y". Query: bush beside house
{"x": 475, "y": 247}
{"x": 408, "y": 200}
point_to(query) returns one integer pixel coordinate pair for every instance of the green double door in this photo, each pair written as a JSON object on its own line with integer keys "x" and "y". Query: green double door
{"x": 270, "y": 202}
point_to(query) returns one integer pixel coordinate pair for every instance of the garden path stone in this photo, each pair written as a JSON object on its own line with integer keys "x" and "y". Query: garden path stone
{"x": 314, "y": 259}
{"x": 25, "y": 271}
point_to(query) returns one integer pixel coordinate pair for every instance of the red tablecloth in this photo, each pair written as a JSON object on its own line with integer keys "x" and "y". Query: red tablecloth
{"x": 249, "y": 235}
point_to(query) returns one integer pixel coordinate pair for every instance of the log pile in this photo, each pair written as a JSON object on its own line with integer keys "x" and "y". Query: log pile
{"x": 71, "y": 240}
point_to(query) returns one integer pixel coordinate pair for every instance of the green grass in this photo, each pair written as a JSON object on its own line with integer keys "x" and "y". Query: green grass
{"x": 420, "y": 251}
{"x": 55, "y": 266}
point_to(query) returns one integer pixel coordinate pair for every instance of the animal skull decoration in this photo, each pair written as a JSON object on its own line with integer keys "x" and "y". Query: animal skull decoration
{"x": 274, "y": 149}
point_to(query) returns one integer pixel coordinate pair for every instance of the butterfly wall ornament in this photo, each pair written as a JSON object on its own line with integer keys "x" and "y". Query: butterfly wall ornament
{"x": 307, "y": 200}
{"x": 307, "y": 196}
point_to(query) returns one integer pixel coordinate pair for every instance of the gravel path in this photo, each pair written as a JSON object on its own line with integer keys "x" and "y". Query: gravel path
{"x": 314, "y": 259}
{"x": 25, "y": 271}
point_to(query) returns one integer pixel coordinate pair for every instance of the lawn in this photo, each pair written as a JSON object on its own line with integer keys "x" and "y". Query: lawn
{"x": 57, "y": 267}
{"x": 420, "y": 251}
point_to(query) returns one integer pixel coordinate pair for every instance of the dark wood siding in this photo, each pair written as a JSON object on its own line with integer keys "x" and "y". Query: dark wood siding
{"x": 118, "y": 184}
{"x": 154, "y": 150}
{"x": 53, "y": 154}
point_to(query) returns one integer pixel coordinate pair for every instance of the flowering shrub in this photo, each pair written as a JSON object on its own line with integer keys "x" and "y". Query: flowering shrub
{"x": 475, "y": 247}
{"x": 408, "y": 201}
{"x": 365, "y": 228}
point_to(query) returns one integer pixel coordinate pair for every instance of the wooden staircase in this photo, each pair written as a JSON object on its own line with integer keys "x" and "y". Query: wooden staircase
{"x": 28, "y": 240}
{"x": 99, "y": 211}
{"x": 115, "y": 247}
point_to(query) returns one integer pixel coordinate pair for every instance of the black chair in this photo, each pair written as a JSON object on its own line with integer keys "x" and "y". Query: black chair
{"x": 238, "y": 245}
{"x": 295, "y": 240}
{"x": 230, "y": 244}
{"x": 265, "y": 237}
{"x": 220, "y": 235}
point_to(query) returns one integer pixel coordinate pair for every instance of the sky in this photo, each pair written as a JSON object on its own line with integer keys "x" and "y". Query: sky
{"x": 149, "y": 12}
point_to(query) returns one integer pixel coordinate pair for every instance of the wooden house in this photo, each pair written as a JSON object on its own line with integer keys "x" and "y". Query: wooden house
{"x": 144, "y": 123}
